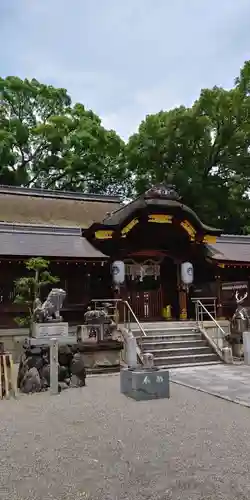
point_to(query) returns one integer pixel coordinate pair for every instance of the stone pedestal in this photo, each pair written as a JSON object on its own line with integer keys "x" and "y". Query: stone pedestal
{"x": 246, "y": 346}
{"x": 238, "y": 350}
{"x": 131, "y": 353}
{"x": 50, "y": 330}
{"x": 142, "y": 384}
{"x": 227, "y": 355}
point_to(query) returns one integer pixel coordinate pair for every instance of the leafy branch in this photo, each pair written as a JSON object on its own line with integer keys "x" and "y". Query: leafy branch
{"x": 28, "y": 288}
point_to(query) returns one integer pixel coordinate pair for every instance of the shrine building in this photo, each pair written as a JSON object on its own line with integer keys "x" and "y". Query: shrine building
{"x": 82, "y": 235}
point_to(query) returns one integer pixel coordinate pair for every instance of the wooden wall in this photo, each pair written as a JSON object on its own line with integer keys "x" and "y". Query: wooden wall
{"x": 81, "y": 280}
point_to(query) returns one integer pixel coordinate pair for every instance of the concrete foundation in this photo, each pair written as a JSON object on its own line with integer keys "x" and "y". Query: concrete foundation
{"x": 144, "y": 385}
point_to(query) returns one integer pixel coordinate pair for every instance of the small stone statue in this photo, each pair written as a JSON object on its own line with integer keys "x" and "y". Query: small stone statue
{"x": 78, "y": 371}
{"x": 95, "y": 314}
{"x": 31, "y": 381}
{"x": 99, "y": 318}
{"x": 148, "y": 360}
{"x": 50, "y": 309}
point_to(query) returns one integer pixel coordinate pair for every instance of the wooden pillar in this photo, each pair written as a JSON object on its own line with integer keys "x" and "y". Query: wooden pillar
{"x": 182, "y": 296}
{"x": 183, "y": 304}
{"x": 218, "y": 293}
{"x": 118, "y": 311}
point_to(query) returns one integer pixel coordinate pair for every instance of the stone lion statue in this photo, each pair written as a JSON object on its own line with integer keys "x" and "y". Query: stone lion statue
{"x": 50, "y": 309}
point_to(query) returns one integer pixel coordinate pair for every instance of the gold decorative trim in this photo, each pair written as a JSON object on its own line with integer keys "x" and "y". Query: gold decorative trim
{"x": 160, "y": 218}
{"x": 103, "y": 234}
{"x": 208, "y": 238}
{"x": 189, "y": 229}
{"x": 128, "y": 227}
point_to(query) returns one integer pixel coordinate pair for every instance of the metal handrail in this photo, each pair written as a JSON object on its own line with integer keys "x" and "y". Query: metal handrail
{"x": 210, "y": 315}
{"x": 212, "y": 342}
{"x": 126, "y": 303}
{"x": 135, "y": 318}
{"x": 208, "y": 301}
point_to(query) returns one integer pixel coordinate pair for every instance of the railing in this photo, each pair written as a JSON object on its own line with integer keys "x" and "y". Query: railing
{"x": 209, "y": 303}
{"x": 127, "y": 314}
{"x": 217, "y": 339}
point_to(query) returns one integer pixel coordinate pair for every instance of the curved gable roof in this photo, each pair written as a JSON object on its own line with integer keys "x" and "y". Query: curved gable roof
{"x": 152, "y": 199}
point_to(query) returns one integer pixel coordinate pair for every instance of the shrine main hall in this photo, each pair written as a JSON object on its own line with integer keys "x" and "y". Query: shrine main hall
{"x": 82, "y": 235}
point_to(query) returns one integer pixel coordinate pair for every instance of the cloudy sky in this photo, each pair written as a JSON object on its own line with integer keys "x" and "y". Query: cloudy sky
{"x": 126, "y": 58}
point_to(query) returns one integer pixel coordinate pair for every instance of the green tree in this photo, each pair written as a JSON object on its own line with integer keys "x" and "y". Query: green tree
{"x": 91, "y": 160}
{"x": 27, "y": 109}
{"x": 204, "y": 150}
{"x": 45, "y": 142}
{"x": 28, "y": 288}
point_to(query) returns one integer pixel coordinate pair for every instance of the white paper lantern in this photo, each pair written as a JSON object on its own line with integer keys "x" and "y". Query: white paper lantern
{"x": 118, "y": 272}
{"x": 187, "y": 273}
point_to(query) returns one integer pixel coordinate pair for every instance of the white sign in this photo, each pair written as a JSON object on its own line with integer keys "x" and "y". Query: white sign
{"x": 50, "y": 330}
{"x": 146, "y": 380}
{"x": 233, "y": 286}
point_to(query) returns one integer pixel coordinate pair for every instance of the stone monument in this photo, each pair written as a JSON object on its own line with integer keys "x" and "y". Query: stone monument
{"x": 145, "y": 381}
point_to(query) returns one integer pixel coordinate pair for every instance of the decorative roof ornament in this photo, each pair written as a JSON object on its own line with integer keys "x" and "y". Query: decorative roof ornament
{"x": 162, "y": 191}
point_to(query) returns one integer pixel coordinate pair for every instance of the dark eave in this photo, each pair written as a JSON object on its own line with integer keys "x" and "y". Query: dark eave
{"x": 126, "y": 212}
{"x": 46, "y": 241}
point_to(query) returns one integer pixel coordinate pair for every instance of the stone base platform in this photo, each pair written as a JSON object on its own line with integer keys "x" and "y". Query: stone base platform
{"x": 74, "y": 359}
{"x": 144, "y": 384}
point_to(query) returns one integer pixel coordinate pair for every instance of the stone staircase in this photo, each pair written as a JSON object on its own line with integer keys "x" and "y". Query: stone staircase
{"x": 176, "y": 344}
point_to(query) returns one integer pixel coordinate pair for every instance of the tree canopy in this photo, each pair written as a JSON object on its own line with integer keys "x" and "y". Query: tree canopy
{"x": 46, "y": 141}
{"x": 204, "y": 150}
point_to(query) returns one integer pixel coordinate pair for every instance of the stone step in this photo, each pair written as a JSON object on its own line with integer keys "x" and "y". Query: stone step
{"x": 188, "y": 365}
{"x": 170, "y": 337}
{"x": 163, "y": 344}
{"x": 180, "y": 351}
{"x": 166, "y": 329}
{"x": 162, "y": 333}
{"x": 164, "y": 325}
{"x": 176, "y": 345}
{"x": 187, "y": 358}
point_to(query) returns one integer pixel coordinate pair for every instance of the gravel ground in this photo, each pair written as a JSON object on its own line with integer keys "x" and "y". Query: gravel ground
{"x": 94, "y": 443}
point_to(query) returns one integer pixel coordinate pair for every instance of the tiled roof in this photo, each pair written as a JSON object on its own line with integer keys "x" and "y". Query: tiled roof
{"x": 45, "y": 241}
{"x": 231, "y": 248}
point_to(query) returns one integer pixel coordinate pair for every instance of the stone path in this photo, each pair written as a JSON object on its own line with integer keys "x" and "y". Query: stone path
{"x": 231, "y": 382}
{"x": 93, "y": 443}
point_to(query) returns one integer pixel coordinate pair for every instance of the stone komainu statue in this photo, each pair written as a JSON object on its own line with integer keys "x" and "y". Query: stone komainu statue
{"x": 49, "y": 310}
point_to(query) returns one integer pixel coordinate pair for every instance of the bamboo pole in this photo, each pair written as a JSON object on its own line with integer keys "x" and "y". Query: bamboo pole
{"x": 7, "y": 377}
